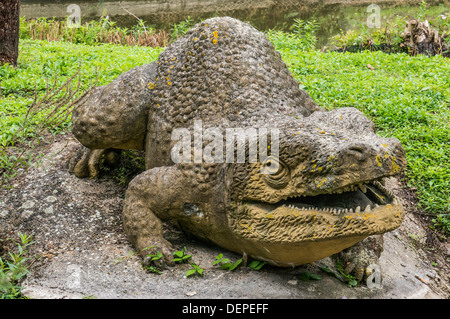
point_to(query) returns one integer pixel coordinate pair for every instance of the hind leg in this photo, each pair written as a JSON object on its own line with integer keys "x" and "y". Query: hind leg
{"x": 360, "y": 256}
{"x": 113, "y": 116}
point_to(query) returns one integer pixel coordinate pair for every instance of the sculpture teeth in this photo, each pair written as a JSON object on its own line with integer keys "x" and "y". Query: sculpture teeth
{"x": 367, "y": 209}
{"x": 363, "y": 188}
{"x": 358, "y": 209}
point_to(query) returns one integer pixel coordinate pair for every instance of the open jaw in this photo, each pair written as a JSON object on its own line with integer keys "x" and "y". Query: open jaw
{"x": 362, "y": 197}
{"x": 357, "y": 210}
{"x": 302, "y": 229}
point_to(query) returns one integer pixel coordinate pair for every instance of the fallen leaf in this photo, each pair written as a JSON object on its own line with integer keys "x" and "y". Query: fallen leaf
{"x": 191, "y": 293}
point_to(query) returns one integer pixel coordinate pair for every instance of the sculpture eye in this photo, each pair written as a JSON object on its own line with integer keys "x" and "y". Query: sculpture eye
{"x": 276, "y": 173}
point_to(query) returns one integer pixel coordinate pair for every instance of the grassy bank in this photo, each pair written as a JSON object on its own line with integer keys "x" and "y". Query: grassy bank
{"x": 407, "y": 97}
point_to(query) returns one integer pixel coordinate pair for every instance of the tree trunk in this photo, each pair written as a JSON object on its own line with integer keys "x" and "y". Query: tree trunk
{"x": 9, "y": 31}
{"x": 420, "y": 38}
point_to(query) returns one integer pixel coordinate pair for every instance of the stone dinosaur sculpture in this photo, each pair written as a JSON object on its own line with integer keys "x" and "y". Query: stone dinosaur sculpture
{"x": 326, "y": 194}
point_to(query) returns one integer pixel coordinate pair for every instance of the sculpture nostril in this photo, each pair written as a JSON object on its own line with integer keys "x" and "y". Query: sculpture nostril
{"x": 358, "y": 151}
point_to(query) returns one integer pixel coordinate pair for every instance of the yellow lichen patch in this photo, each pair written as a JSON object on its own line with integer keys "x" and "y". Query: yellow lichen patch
{"x": 386, "y": 155}
{"x": 321, "y": 182}
{"x": 216, "y": 34}
{"x": 151, "y": 86}
{"x": 384, "y": 145}
{"x": 214, "y": 41}
{"x": 169, "y": 83}
{"x": 378, "y": 160}
{"x": 245, "y": 225}
{"x": 196, "y": 39}
{"x": 395, "y": 166}
{"x": 322, "y": 132}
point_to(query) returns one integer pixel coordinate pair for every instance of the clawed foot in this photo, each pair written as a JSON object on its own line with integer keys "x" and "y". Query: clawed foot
{"x": 360, "y": 256}
{"x": 86, "y": 162}
{"x": 160, "y": 255}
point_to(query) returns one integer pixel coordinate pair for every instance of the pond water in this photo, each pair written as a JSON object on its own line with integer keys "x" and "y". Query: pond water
{"x": 331, "y": 15}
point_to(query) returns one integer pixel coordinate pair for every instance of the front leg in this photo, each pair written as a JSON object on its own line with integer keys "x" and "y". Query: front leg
{"x": 150, "y": 197}
{"x": 86, "y": 162}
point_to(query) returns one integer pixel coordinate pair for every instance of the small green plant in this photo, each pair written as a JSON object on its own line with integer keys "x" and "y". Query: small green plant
{"x": 339, "y": 274}
{"x": 442, "y": 221}
{"x": 179, "y": 29}
{"x": 195, "y": 270}
{"x": 256, "y": 264}
{"x": 153, "y": 260}
{"x": 132, "y": 163}
{"x": 423, "y": 6}
{"x": 306, "y": 32}
{"x": 307, "y": 276}
{"x": 225, "y": 263}
{"x": 349, "y": 279}
{"x": 302, "y": 38}
{"x": 181, "y": 256}
{"x": 13, "y": 269}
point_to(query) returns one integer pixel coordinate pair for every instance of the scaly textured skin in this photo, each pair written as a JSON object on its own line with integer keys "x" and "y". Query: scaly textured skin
{"x": 327, "y": 194}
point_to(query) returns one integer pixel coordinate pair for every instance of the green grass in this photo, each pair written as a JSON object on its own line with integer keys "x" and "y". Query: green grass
{"x": 13, "y": 268}
{"x": 406, "y": 97}
{"x": 41, "y": 61}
